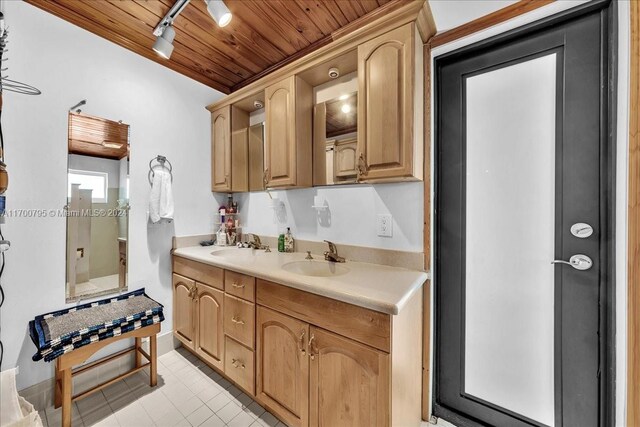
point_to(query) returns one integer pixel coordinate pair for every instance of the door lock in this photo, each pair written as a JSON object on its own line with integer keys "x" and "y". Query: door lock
{"x": 581, "y": 230}
{"x": 579, "y": 262}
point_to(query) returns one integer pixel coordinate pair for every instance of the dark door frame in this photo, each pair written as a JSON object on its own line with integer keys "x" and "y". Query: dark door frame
{"x": 608, "y": 13}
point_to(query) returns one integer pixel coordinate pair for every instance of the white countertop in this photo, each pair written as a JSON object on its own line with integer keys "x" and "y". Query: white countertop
{"x": 377, "y": 287}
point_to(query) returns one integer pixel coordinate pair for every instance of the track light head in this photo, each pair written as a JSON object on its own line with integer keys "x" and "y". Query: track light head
{"x": 219, "y": 12}
{"x": 164, "y": 42}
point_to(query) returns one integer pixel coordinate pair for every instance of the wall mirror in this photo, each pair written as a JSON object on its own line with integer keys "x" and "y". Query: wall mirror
{"x": 335, "y": 140}
{"x": 97, "y": 206}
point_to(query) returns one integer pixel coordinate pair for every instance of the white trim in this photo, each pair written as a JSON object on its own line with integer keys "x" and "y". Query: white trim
{"x": 622, "y": 181}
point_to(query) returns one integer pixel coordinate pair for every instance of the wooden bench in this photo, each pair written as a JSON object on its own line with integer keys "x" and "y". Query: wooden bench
{"x": 64, "y": 366}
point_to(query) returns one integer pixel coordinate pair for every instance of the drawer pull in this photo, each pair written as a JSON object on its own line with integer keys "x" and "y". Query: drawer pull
{"x": 234, "y": 319}
{"x": 235, "y": 285}
{"x": 237, "y": 363}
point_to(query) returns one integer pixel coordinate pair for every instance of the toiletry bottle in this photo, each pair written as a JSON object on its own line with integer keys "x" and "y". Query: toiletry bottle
{"x": 281, "y": 243}
{"x": 288, "y": 241}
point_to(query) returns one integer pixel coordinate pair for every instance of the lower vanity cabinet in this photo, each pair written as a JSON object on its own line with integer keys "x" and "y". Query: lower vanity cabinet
{"x": 282, "y": 371}
{"x": 309, "y": 359}
{"x": 184, "y": 323}
{"x": 348, "y": 382}
{"x": 209, "y": 315}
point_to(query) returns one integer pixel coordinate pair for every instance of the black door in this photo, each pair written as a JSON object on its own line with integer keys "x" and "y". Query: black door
{"x": 521, "y": 170}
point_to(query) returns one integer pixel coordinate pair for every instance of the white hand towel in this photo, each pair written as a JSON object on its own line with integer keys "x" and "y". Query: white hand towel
{"x": 161, "y": 198}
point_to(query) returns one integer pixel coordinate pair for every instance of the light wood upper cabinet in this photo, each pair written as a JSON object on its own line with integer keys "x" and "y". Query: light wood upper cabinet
{"x": 349, "y": 382}
{"x": 221, "y": 149}
{"x": 209, "y": 312}
{"x": 282, "y": 372}
{"x": 183, "y": 304}
{"x": 390, "y": 140}
{"x": 288, "y": 144}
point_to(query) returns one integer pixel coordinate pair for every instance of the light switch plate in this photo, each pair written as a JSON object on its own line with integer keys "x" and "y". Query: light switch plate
{"x": 384, "y": 225}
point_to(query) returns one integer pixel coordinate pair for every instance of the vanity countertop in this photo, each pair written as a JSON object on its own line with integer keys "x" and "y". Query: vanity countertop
{"x": 377, "y": 287}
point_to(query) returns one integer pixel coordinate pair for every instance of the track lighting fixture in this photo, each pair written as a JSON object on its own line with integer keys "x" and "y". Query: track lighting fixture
{"x": 219, "y": 12}
{"x": 165, "y": 33}
{"x": 164, "y": 42}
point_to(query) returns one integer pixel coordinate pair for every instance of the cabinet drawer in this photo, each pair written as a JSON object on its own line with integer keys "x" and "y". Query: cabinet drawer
{"x": 239, "y": 320}
{"x": 361, "y": 324}
{"x": 239, "y": 365}
{"x": 240, "y": 285}
{"x": 203, "y": 273}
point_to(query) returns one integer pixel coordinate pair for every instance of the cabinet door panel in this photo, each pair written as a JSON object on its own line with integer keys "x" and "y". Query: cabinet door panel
{"x": 280, "y": 155}
{"x": 385, "y": 112}
{"x": 345, "y": 160}
{"x": 221, "y": 149}
{"x": 210, "y": 336}
{"x": 283, "y": 366}
{"x": 349, "y": 382}
{"x": 183, "y": 307}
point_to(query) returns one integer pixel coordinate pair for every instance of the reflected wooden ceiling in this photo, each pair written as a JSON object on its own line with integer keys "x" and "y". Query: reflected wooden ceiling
{"x": 262, "y": 36}
{"x": 97, "y": 137}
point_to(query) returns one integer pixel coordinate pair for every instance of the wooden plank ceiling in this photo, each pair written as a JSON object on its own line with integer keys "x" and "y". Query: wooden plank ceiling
{"x": 97, "y": 137}
{"x": 262, "y": 36}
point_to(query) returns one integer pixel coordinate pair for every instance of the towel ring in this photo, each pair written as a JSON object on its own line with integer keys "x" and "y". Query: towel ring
{"x": 162, "y": 161}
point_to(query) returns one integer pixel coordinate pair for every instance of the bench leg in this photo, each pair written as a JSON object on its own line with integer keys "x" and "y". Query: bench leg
{"x": 67, "y": 386}
{"x": 138, "y": 354}
{"x": 153, "y": 367}
{"x": 57, "y": 386}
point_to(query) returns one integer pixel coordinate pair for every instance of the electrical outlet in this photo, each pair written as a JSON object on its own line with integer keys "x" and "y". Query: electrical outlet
{"x": 385, "y": 225}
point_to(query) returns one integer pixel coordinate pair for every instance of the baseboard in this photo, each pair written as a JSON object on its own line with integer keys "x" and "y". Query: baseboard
{"x": 40, "y": 395}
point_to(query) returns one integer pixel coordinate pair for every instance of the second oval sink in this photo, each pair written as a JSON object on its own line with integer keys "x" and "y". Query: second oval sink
{"x": 315, "y": 268}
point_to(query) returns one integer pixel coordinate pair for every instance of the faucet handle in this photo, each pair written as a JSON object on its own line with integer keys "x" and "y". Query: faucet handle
{"x": 308, "y": 255}
{"x": 332, "y": 247}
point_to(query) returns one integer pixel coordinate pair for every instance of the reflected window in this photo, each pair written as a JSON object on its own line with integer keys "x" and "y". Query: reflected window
{"x": 98, "y": 182}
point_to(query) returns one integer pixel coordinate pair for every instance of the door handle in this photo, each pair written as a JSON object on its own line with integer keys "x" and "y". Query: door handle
{"x": 578, "y": 261}
{"x": 302, "y": 350}
{"x": 237, "y": 320}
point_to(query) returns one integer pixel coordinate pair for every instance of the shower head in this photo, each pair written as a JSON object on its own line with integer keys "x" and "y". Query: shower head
{"x": 75, "y": 107}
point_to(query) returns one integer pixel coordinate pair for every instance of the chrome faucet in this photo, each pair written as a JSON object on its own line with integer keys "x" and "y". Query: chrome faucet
{"x": 256, "y": 243}
{"x": 332, "y": 253}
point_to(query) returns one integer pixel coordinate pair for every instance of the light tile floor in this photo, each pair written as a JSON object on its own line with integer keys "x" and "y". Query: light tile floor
{"x": 189, "y": 393}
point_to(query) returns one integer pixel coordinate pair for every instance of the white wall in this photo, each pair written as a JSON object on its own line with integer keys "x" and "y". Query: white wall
{"x": 167, "y": 116}
{"x": 350, "y": 219}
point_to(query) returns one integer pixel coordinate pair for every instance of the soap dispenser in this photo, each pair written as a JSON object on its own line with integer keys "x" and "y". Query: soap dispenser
{"x": 288, "y": 241}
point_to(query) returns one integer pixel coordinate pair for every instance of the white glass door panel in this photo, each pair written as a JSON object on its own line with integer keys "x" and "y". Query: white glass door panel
{"x": 510, "y": 220}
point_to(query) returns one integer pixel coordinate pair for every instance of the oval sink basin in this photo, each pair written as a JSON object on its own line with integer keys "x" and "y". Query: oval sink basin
{"x": 315, "y": 268}
{"x": 237, "y": 253}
